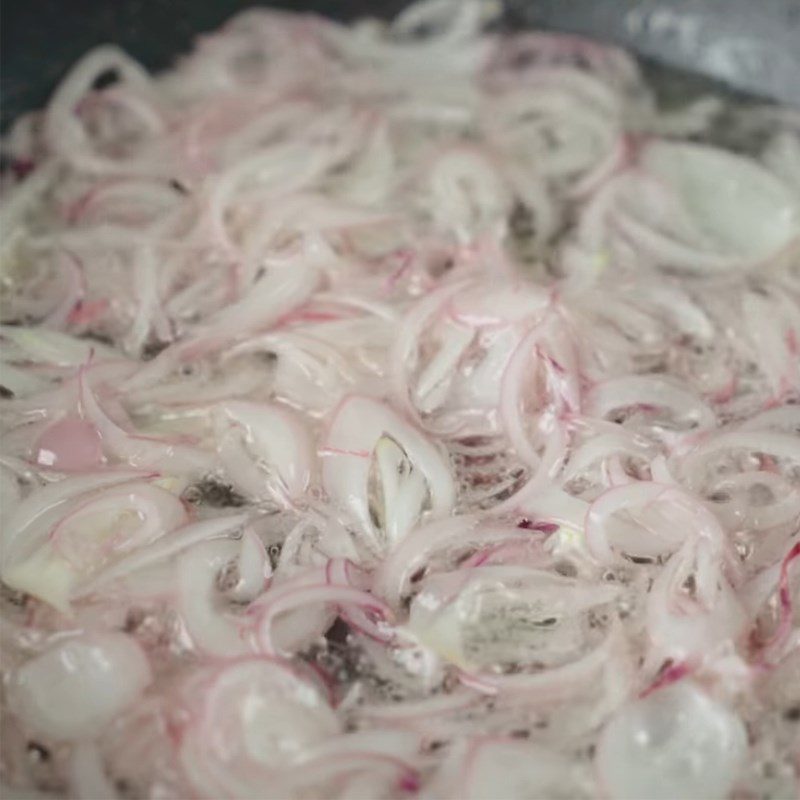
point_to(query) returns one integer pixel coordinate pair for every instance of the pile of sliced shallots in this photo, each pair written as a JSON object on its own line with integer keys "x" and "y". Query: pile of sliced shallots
{"x": 398, "y": 411}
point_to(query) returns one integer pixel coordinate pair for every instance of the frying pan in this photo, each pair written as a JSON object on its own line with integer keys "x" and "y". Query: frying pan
{"x": 749, "y": 48}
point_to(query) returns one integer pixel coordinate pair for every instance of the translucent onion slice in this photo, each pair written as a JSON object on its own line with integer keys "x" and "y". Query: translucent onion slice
{"x": 93, "y": 535}
{"x": 676, "y": 742}
{"x": 255, "y": 719}
{"x": 42, "y": 506}
{"x": 10, "y": 492}
{"x": 354, "y": 436}
{"x": 137, "y": 450}
{"x": 464, "y": 350}
{"x": 44, "y": 346}
{"x": 547, "y": 353}
{"x": 606, "y": 664}
{"x": 292, "y": 598}
{"x": 87, "y": 773}
{"x": 504, "y": 615}
{"x": 278, "y": 443}
{"x": 722, "y": 450}
{"x": 465, "y": 193}
{"x": 440, "y": 545}
{"x": 486, "y": 768}
{"x": 371, "y": 762}
{"x": 692, "y": 608}
{"x": 164, "y": 548}
{"x": 726, "y": 211}
{"x": 755, "y": 501}
{"x": 210, "y": 573}
{"x": 69, "y": 445}
{"x": 638, "y": 519}
{"x": 405, "y": 355}
{"x": 64, "y": 130}
{"x": 74, "y": 689}
{"x": 649, "y": 393}
{"x": 780, "y": 583}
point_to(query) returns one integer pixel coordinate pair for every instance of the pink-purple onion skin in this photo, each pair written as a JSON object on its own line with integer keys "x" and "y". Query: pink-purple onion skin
{"x": 397, "y": 410}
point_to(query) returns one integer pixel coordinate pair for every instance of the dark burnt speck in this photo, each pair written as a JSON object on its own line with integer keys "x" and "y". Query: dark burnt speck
{"x": 274, "y": 554}
{"x": 101, "y": 338}
{"x": 338, "y": 633}
{"x": 152, "y": 349}
{"x": 520, "y": 221}
{"x": 214, "y": 493}
{"x": 792, "y": 714}
{"x": 13, "y": 596}
{"x": 38, "y": 753}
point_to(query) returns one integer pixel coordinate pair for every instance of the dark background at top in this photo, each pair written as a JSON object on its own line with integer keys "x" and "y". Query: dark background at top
{"x": 40, "y": 39}
{"x": 754, "y": 44}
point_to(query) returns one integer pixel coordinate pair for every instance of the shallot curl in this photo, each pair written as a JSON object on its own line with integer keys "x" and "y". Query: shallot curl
{"x": 398, "y": 409}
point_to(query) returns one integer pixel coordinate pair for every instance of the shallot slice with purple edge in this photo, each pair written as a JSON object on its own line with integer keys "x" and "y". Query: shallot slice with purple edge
{"x": 398, "y": 410}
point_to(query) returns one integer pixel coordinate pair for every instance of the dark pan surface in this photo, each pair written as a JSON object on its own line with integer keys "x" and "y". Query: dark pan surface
{"x": 754, "y": 46}
{"x": 41, "y": 39}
